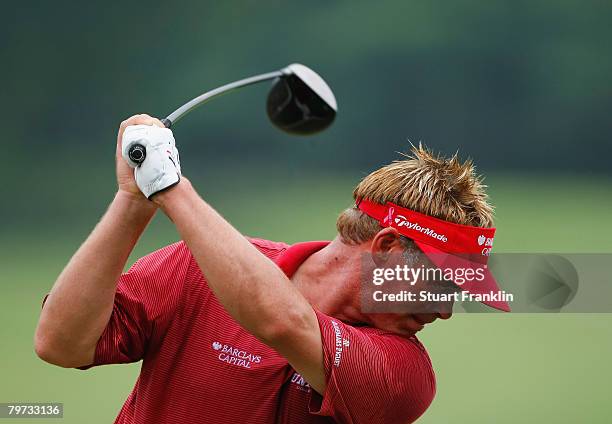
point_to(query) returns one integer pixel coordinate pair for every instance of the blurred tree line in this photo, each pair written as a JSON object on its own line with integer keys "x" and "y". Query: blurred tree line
{"x": 516, "y": 85}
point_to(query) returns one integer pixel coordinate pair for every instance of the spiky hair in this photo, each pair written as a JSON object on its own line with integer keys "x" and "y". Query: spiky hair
{"x": 445, "y": 188}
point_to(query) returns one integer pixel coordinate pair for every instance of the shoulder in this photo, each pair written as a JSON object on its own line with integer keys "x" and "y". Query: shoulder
{"x": 175, "y": 261}
{"x": 179, "y": 252}
{"x": 269, "y": 248}
{"x": 402, "y": 354}
{"x": 169, "y": 258}
{"x": 396, "y": 371}
{"x": 408, "y": 374}
{"x": 400, "y": 369}
{"x": 174, "y": 250}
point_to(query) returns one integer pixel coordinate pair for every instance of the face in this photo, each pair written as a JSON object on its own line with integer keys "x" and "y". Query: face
{"x": 406, "y": 324}
{"x": 388, "y": 252}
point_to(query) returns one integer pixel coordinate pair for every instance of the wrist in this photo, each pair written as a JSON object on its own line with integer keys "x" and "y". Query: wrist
{"x": 166, "y": 198}
{"x": 134, "y": 204}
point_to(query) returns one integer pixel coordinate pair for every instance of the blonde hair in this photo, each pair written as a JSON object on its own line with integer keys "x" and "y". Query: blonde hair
{"x": 444, "y": 188}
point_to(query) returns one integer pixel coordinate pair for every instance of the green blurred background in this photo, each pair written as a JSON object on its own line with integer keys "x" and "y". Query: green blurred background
{"x": 524, "y": 88}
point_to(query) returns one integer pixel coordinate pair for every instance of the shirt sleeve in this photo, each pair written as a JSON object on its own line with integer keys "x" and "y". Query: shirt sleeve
{"x": 372, "y": 377}
{"x": 146, "y": 298}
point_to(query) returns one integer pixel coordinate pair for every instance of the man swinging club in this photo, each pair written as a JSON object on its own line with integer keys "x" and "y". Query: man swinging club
{"x": 232, "y": 329}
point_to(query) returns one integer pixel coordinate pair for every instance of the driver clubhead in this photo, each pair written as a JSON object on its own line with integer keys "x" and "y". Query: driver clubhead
{"x": 300, "y": 102}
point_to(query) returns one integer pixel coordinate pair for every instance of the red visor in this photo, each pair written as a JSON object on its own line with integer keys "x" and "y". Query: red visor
{"x": 446, "y": 244}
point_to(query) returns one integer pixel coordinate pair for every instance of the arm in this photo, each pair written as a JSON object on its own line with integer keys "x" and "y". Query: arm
{"x": 252, "y": 288}
{"x": 81, "y": 301}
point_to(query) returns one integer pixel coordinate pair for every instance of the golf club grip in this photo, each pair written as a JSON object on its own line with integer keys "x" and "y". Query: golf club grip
{"x": 167, "y": 123}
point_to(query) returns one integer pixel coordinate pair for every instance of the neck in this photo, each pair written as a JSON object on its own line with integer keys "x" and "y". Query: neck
{"x": 330, "y": 278}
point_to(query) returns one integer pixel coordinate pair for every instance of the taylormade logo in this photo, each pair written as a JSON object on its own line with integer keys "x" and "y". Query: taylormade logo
{"x": 402, "y": 221}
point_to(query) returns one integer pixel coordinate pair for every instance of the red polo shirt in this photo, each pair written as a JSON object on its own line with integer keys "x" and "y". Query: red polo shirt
{"x": 200, "y": 366}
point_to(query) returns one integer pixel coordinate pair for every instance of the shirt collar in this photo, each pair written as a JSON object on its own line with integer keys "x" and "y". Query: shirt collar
{"x": 291, "y": 259}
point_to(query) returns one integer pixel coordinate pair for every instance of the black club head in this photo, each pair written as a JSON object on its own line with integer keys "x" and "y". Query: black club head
{"x": 301, "y": 102}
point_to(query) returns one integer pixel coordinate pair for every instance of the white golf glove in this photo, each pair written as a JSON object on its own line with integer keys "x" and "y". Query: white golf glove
{"x": 161, "y": 167}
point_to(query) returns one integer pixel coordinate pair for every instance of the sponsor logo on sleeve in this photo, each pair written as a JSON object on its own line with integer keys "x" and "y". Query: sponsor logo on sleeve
{"x": 340, "y": 343}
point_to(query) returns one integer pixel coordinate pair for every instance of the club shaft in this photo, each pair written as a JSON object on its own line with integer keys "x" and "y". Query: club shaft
{"x": 192, "y": 104}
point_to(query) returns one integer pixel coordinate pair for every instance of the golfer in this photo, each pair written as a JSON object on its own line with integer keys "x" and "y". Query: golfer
{"x": 231, "y": 329}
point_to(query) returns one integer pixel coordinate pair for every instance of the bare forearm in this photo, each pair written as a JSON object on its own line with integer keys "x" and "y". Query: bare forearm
{"x": 250, "y": 286}
{"x": 81, "y": 300}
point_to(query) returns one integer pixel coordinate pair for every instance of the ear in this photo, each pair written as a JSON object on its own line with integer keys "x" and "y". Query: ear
{"x": 385, "y": 242}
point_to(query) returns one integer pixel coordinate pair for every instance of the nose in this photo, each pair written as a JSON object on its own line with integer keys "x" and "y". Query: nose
{"x": 445, "y": 315}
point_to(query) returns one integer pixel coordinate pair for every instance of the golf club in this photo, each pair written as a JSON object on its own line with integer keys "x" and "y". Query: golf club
{"x": 300, "y": 102}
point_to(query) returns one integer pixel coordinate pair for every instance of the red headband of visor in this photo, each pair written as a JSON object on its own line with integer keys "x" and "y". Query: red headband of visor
{"x": 446, "y": 244}
{"x": 448, "y": 237}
